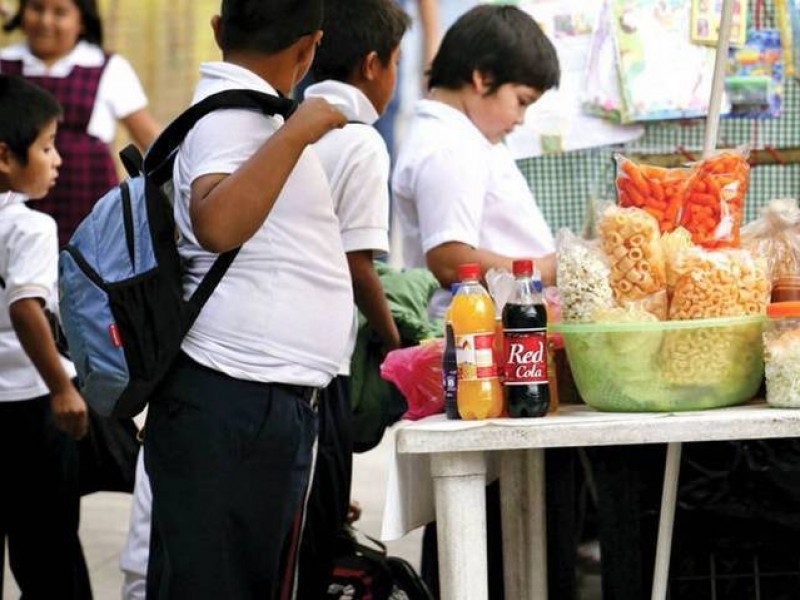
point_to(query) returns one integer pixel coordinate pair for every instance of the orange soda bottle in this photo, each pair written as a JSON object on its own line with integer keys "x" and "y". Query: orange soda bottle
{"x": 480, "y": 395}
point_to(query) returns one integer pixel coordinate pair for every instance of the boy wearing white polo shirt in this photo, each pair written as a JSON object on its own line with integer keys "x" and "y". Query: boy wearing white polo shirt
{"x": 39, "y": 405}
{"x": 230, "y": 433}
{"x": 356, "y": 71}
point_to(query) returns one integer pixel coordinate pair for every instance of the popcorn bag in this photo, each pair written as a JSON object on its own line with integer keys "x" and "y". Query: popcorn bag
{"x": 583, "y": 278}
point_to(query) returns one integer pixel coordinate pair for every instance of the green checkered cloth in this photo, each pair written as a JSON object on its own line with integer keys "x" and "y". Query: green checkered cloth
{"x": 567, "y": 185}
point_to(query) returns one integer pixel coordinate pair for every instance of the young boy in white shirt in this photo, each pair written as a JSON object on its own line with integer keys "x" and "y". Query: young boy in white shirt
{"x": 40, "y": 409}
{"x": 230, "y": 433}
{"x": 356, "y": 70}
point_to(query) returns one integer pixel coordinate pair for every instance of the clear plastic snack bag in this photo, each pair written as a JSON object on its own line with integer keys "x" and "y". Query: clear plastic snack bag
{"x": 775, "y": 236}
{"x": 583, "y": 278}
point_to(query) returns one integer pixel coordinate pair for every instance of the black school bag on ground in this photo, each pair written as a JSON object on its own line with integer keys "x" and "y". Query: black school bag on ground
{"x": 366, "y": 572}
{"x": 122, "y": 303}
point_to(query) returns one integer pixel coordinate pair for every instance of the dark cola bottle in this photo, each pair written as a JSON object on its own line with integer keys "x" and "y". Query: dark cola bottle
{"x": 525, "y": 333}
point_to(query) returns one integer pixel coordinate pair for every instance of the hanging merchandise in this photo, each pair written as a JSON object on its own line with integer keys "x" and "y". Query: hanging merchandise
{"x": 785, "y": 12}
{"x": 793, "y": 22}
{"x": 557, "y": 122}
{"x": 602, "y": 94}
{"x": 652, "y": 40}
{"x": 755, "y": 76}
{"x": 706, "y": 19}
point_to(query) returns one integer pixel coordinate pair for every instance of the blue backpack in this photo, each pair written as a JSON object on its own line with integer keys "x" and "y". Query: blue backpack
{"x": 120, "y": 288}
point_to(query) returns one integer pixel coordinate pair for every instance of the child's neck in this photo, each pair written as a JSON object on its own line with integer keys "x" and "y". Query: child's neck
{"x": 452, "y": 98}
{"x": 279, "y": 70}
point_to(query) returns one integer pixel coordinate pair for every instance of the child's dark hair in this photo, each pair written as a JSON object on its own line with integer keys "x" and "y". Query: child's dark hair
{"x": 92, "y": 30}
{"x": 501, "y": 42}
{"x": 267, "y": 26}
{"x": 26, "y": 109}
{"x": 353, "y": 29}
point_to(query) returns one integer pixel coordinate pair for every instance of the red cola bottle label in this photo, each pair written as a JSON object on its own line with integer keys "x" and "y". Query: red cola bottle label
{"x": 525, "y": 356}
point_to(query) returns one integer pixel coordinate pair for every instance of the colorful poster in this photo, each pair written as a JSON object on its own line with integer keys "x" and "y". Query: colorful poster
{"x": 754, "y": 81}
{"x": 662, "y": 74}
{"x": 706, "y": 16}
{"x": 602, "y": 96}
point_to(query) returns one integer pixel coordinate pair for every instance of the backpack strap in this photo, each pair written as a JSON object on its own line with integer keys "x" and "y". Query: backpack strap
{"x": 132, "y": 160}
{"x": 159, "y": 159}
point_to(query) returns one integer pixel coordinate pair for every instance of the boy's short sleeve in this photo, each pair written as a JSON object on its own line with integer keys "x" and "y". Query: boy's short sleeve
{"x": 363, "y": 196}
{"x": 224, "y": 139}
{"x": 450, "y": 189}
{"x": 32, "y": 260}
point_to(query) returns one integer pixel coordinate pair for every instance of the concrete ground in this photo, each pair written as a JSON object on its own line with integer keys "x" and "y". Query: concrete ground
{"x": 104, "y": 524}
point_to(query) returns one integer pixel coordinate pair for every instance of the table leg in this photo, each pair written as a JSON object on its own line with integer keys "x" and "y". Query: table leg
{"x": 666, "y": 520}
{"x": 522, "y": 508}
{"x": 459, "y": 481}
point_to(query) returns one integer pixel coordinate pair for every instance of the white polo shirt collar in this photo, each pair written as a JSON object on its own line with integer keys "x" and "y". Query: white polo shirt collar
{"x": 454, "y": 119}
{"x": 83, "y": 54}
{"x": 218, "y": 76}
{"x": 347, "y": 98}
{"x": 10, "y": 198}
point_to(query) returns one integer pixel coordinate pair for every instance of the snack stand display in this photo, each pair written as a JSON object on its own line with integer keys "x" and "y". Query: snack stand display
{"x": 663, "y": 314}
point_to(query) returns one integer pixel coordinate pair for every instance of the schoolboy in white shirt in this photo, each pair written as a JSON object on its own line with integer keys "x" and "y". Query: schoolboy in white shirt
{"x": 356, "y": 71}
{"x": 230, "y": 434}
{"x": 40, "y": 409}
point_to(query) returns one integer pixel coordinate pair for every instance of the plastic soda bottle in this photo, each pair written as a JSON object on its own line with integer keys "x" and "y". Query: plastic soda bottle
{"x": 525, "y": 331}
{"x": 450, "y": 364}
{"x": 480, "y": 395}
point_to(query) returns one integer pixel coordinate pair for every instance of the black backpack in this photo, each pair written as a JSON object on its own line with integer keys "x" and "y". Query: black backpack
{"x": 365, "y": 572}
{"x": 122, "y": 305}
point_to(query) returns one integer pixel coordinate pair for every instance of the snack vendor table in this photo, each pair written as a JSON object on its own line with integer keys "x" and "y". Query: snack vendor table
{"x": 446, "y": 465}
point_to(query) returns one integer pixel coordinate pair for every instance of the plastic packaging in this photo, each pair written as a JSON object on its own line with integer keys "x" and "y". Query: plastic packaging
{"x": 656, "y": 190}
{"x": 775, "y": 235}
{"x": 632, "y": 245}
{"x": 714, "y": 203}
{"x": 583, "y": 278}
{"x": 782, "y": 355}
{"x": 417, "y": 373}
{"x": 668, "y": 365}
{"x": 480, "y": 395}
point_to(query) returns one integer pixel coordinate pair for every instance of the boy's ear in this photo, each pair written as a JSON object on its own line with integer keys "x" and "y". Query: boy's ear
{"x": 481, "y": 82}
{"x": 216, "y": 21}
{"x": 370, "y": 66}
{"x": 6, "y": 158}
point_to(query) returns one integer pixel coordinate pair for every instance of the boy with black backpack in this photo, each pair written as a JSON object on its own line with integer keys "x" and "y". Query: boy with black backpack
{"x": 231, "y": 429}
{"x": 40, "y": 409}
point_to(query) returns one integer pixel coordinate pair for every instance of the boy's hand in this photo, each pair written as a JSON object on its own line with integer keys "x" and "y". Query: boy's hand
{"x": 314, "y": 118}
{"x": 69, "y": 412}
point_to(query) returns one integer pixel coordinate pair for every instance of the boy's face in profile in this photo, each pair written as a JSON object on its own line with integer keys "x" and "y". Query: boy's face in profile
{"x": 499, "y": 112}
{"x": 35, "y": 178}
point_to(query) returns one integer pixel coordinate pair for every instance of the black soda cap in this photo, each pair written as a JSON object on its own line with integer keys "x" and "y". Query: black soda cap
{"x": 469, "y": 271}
{"x": 522, "y": 267}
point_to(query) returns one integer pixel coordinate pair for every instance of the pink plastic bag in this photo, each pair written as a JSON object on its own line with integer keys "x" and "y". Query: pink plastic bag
{"x": 417, "y": 373}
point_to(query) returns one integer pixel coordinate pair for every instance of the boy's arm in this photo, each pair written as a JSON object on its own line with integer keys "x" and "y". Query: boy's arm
{"x": 35, "y": 336}
{"x": 444, "y": 260}
{"x": 226, "y": 210}
{"x": 370, "y": 298}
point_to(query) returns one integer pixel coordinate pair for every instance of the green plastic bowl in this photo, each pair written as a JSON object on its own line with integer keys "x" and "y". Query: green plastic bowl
{"x": 665, "y": 366}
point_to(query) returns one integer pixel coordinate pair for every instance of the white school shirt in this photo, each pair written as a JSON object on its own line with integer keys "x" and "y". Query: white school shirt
{"x": 357, "y": 164}
{"x": 283, "y": 312}
{"x": 119, "y": 92}
{"x": 452, "y": 185}
{"x": 29, "y": 269}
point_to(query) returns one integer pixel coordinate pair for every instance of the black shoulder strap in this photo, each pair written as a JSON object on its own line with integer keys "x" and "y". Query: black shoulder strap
{"x": 132, "y": 160}
{"x": 159, "y": 159}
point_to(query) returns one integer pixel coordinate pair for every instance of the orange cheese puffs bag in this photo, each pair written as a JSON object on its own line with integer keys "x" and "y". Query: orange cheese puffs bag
{"x": 656, "y": 190}
{"x": 714, "y": 203}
